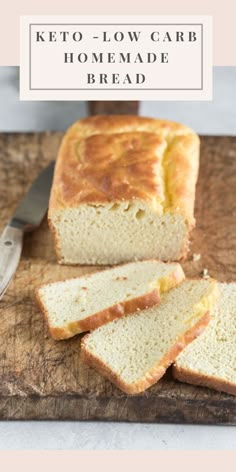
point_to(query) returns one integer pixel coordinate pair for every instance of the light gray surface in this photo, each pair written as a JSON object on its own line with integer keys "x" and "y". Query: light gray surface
{"x": 217, "y": 117}
{"x": 100, "y": 436}
{"x": 18, "y": 115}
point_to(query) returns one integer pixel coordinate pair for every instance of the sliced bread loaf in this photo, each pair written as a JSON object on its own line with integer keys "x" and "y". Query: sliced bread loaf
{"x": 135, "y": 351}
{"x": 84, "y": 303}
{"x": 124, "y": 190}
{"x": 211, "y": 359}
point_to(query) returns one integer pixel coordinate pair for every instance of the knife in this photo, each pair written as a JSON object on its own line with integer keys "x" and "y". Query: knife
{"x": 27, "y": 217}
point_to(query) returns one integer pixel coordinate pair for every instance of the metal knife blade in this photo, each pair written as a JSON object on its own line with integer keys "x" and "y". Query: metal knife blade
{"x": 32, "y": 208}
{"x": 27, "y": 217}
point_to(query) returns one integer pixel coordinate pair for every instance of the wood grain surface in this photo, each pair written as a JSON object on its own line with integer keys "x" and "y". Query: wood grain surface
{"x": 44, "y": 379}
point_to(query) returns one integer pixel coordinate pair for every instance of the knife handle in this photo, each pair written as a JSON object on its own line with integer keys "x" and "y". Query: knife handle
{"x": 11, "y": 243}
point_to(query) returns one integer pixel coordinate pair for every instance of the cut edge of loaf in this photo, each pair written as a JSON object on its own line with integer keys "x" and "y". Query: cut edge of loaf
{"x": 157, "y": 371}
{"x": 202, "y": 380}
{"x": 160, "y": 368}
{"x": 176, "y": 168}
{"x": 179, "y": 253}
{"x": 55, "y": 238}
{"x": 118, "y": 310}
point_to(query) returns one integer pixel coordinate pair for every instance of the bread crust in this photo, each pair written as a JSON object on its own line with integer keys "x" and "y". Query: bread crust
{"x": 56, "y": 240}
{"x": 157, "y": 371}
{"x": 190, "y": 377}
{"x": 104, "y": 316}
{"x": 120, "y": 309}
{"x": 104, "y": 159}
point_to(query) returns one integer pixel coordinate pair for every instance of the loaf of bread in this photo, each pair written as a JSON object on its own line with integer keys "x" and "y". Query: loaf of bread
{"x": 84, "y": 303}
{"x": 124, "y": 190}
{"x": 135, "y": 350}
{"x": 210, "y": 360}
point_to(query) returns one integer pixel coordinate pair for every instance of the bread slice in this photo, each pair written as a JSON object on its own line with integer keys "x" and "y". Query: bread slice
{"x": 124, "y": 190}
{"x": 135, "y": 351}
{"x": 84, "y": 303}
{"x": 211, "y": 359}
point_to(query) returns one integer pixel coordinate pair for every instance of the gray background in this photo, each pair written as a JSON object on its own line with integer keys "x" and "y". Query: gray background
{"x": 216, "y": 117}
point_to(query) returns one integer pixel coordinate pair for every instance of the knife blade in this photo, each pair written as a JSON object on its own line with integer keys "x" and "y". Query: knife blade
{"x": 27, "y": 217}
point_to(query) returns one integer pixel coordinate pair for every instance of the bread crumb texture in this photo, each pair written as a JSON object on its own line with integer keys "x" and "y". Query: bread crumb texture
{"x": 83, "y": 303}
{"x": 211, "y": 359}
{"x": 205, "y": 274}
{"x": 124, "y": 189}
{"x": 196, "y": 257}
{"x": 135, "y": 351}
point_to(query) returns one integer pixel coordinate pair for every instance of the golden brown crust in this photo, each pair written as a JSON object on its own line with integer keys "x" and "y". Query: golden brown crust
{"x": 41, "y": 307}
{"x": 102, "y": 317}
{"x": 157, "y": 371}
{"x": 56, "y": 241}
{"x": 190, "y": 377}
{"x": 120, "y": 309}
{"x": 106, "y": 159}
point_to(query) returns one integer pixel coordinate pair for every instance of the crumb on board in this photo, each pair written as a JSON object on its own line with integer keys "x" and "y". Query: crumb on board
{"x": 205, "y": 274}
{"x": 196, "y": 257}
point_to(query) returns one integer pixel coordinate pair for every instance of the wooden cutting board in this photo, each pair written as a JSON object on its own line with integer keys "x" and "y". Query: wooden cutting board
{"x": 44, "y": 379}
